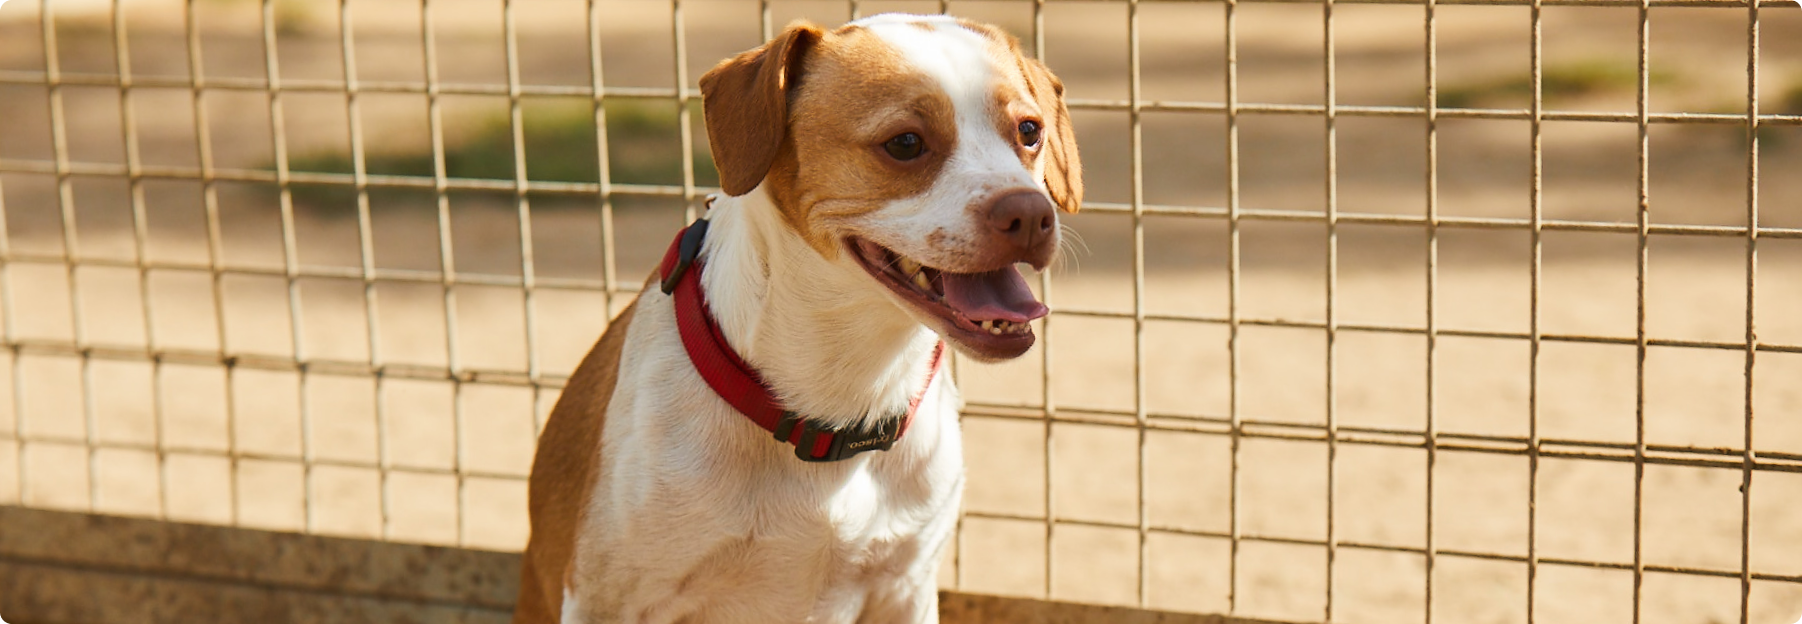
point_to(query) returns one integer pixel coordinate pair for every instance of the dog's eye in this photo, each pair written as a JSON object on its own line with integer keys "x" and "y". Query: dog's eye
{"x": 1029, "y": 133}
{"x": 905, "y": 146}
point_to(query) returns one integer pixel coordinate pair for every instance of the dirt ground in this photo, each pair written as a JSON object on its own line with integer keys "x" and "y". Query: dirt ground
{"x": 1695, "y": 291}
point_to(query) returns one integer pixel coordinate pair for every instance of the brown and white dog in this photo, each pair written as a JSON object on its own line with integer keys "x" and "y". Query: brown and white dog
{"x": 884, "y": 179}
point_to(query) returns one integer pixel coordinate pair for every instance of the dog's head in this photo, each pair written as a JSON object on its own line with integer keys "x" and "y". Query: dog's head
{"x": 925, "y": 150}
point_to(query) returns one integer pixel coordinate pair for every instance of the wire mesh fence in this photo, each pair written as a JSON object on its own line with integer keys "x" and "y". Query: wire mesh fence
{"x": 323, "y": 267}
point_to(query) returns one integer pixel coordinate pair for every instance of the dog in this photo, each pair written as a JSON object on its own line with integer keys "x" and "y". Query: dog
{"x": 768, "y": 433}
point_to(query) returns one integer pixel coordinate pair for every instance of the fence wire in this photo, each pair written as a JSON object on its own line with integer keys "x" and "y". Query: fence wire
{"x": 1051, "y": 415}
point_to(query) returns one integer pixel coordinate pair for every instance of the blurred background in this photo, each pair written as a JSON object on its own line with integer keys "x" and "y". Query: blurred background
{"x": 1301, "y": 366}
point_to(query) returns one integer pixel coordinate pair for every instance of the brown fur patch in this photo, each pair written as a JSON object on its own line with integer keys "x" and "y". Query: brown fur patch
{"x": 837, "y": 165}
{"x": 564, "y": 473}
{"x": 1063, "y": 165}
{"x": 746, "y": 103}
{"x": 845, "y": 94}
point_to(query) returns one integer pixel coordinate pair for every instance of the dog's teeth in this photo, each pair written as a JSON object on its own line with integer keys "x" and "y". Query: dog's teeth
{"x": 920, "y": 279}
{"x": 1004, "y": 327}
{"x": 908, "y": 267}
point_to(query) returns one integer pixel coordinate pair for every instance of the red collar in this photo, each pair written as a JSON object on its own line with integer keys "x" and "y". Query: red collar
{"x": 739, "y": 385}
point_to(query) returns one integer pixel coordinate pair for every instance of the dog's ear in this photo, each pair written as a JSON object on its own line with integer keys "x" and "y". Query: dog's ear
{"x": 1063, "y": 166}
{"x": 746, "y": 103}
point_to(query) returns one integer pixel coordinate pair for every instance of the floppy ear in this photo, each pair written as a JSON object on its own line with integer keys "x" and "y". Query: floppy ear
{"x": 745, "y": 99}
{"x": 1063, "y": 167}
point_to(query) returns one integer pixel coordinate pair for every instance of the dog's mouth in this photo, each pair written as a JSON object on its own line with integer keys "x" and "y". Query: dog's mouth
{"x": 990, "y": 312}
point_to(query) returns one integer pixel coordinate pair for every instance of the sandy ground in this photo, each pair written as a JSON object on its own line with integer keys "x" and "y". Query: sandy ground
{"x": 1695, "y": 291}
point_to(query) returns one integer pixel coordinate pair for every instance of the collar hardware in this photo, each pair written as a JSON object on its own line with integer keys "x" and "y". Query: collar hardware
{"x": 840, "y": 444}
{"x": 688, "y": 249}
{"x": 741, "y": 387}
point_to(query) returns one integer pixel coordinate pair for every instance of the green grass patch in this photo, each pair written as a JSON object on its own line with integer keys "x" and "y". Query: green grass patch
{"x": 643, "y": 137}
{"x": 1557, "y": 82}
{"x": 1791, "y": 101}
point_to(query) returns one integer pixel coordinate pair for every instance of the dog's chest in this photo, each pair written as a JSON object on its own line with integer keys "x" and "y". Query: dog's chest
{"x": 701, "y": 515}
{"x": 857, "y": 531}
{"x": 875, "y": 525}
{"x": 802, "y": 551}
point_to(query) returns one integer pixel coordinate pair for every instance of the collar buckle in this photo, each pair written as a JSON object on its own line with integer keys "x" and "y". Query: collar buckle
{"x": 840, "y": 444}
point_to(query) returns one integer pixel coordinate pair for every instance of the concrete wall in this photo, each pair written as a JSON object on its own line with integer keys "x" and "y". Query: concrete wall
{"x": 66, "y": 568}
{"x": 73, "y": 568}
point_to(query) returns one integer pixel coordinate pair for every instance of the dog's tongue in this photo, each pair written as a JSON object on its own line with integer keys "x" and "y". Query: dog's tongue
{"x": 998, "y": 295}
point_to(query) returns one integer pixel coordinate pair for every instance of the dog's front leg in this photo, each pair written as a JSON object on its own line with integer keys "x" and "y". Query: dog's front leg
{"x": 918, "y": 606}
{"x": 913, "y": 597}
{"x": 923, "y": 606}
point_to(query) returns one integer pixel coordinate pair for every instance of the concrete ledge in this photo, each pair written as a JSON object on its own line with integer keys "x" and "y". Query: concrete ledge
{"x": 959, "y": 608}
{"x": 75, "y": 568}
{"x": 70, "y": 567}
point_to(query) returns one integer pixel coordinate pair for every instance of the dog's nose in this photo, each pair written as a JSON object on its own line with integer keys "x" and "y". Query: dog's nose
{"x": 1025, "y": 220}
